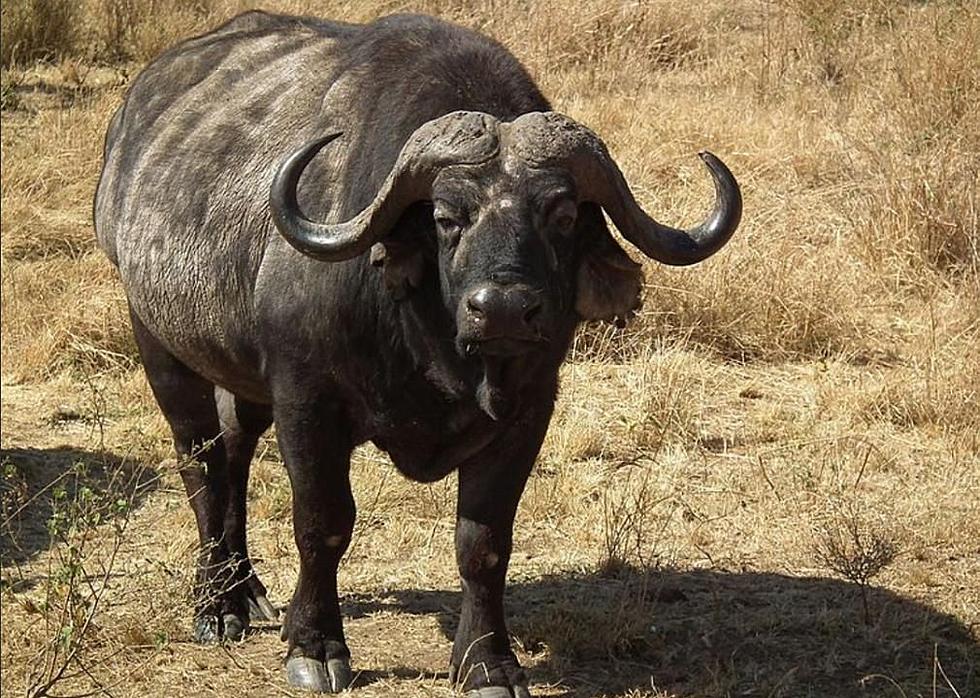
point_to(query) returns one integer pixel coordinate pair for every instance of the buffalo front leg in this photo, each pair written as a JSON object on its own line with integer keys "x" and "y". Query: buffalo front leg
{"x": 482, "y": 661}
{"x": 315, "y": 445}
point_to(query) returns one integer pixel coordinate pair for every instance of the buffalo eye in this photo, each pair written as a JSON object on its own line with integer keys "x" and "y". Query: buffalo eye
{"x": 450, "y": 229}
{"x": 450, "y": 223}
{"x": 562, "y": 215}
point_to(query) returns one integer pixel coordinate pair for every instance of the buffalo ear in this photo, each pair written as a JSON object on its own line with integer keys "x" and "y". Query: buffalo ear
{"x": 609, "y": 283}
{"x": 401, "y": 264}
{"x": 400, "y": 256}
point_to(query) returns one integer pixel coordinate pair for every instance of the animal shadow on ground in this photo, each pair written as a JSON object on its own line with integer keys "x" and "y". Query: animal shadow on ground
{"x": 38, "y": 483}
{"x": 719, "y": 633}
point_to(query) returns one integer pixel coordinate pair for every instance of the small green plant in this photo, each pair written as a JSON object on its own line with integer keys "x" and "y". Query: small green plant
{"x": 9, "y": 95}
{"x": 83, "y": 516}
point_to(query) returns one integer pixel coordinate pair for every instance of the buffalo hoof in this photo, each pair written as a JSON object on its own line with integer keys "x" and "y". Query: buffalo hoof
{"x": 505, "y": 670}
{"x": 209, "y": 630}
{"x": 499, "y": 692}
{"x": 332, "y": 676}
{"x": 261, "y": 609}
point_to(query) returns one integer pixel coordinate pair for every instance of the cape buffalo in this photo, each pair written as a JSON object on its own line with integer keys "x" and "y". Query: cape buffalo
{"x": 416, "y": 284}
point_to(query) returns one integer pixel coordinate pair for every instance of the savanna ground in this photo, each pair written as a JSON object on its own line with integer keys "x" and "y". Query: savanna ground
{"x": 768, "y": 485}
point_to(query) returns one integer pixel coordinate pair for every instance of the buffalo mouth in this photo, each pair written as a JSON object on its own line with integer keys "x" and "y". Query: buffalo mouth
{"x": 504, "y": 365}
{"x": 501, "y": 347}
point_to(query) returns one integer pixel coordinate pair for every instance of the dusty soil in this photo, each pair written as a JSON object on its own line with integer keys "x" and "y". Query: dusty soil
{"x": 674, "y": 573}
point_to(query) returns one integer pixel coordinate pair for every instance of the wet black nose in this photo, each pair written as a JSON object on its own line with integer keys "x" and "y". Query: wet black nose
{"x": 505, "y": 309}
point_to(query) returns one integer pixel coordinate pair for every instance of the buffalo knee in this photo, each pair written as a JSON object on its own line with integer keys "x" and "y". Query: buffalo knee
{"x": 478, "y": 551}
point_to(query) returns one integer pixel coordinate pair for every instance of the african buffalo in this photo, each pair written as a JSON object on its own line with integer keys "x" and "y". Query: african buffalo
{"x": 416, "y": 284}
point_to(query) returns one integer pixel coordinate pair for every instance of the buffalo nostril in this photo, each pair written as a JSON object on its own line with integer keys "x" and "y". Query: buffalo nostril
{"x": 531, "y": 311}
{"x": 477, "y": 302}
{"x": 504, "y": 309}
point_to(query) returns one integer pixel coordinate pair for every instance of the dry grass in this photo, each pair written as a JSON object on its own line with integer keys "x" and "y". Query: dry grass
{"x": 33, "y": 29}
{"x": 716, "y": 475}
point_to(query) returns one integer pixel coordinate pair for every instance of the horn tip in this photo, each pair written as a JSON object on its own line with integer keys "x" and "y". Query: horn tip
{"x": 718, "y": 168}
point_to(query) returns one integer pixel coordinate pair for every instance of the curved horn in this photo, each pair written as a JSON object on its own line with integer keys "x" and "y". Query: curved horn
{"x": 600, "y": 180}
{"x": 457, "y": 138}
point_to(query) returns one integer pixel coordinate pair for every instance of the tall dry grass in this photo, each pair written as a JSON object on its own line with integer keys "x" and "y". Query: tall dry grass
{"x": 97, "y": 30}
{"x": 861, "y": 186}
{"x": 37, "y": 29}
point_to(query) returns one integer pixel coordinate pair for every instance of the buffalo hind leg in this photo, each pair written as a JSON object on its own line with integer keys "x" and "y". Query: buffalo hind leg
{"x": 187, "y": 401}
{"x": 490, "y": 487}
{"x": 242, "y": 425}
{"x": 315, "y": 445}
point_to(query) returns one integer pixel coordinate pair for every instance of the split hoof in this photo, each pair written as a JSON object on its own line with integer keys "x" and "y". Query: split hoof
{"x": 499, "y": 692}
{"x": 234, "y": 627}
{"x": 206, "y": 631}
{"x": 209, "y": 630}
{"x": 261, "y": 609}
{"x": 507, "y": 671}
{"x": 308, "y": 674}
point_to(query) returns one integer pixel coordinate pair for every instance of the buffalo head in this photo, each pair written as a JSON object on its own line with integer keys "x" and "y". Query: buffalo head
{"x": 521, "y": 237}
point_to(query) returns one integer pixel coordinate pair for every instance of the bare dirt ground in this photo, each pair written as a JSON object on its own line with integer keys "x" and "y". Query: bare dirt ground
{"x": 767, "y": 485}
{"x": 672, "y": 571}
